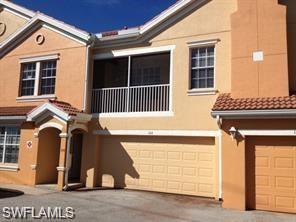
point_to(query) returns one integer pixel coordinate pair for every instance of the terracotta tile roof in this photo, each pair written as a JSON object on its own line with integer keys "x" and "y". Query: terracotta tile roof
{"x": 66, "y": 107}
{"x": 224, "y": 103}
{"x": 16, "y": 111}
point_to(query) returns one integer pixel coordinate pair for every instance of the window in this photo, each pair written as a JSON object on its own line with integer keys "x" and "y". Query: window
{"x": 28, "y": 79}
{"x": 9, "y": 144}
{"x": 202, "y": 67}
{"x": 48, "y": 74}
{"x": 38, "y": 78}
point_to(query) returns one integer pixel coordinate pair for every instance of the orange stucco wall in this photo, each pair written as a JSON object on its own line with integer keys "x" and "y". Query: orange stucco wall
{"x": 25, "y": 174}
{"x": 259, "y": 25}
{"x": 234, "y": 165}
{"x": 70, "y": 68}
{"x": 12, "y": 23}
{"x": 190, "y": 112}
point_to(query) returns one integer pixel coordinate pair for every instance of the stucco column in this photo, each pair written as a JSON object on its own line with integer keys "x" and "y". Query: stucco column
{"x": 233, "y": 168}
{"x": 34, "y": 164}
{"x": 62, "y": 162}
{"x": 90, "y": 160}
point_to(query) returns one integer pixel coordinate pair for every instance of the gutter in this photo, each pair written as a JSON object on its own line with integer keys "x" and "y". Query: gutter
{"x": 87, "y": 73}
{"x": 255, "y": 114}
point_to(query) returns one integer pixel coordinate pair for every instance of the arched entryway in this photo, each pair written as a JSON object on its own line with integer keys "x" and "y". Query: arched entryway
{"x": 48, "y": 156}
{"x": 75, "y": 157}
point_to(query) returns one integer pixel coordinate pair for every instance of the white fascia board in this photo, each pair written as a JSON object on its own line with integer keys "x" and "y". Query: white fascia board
{"x": 247, "y": 132}
{"x": 150, "y": 24}
{"x": 18, "y": 32}
{"x": 17, "y": 8}
{"x": 21, "y": 15}
{"x": 64, "y": 27}
{"x": 169, "y": 12}
{"x": 254, "y": 114}
{"x": 130, "y": 52}
{"x": 47, "y": 107}
{"x": 181, "y": 133}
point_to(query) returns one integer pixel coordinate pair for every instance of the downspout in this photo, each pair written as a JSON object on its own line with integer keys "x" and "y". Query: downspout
{"x": 87, "y": 73}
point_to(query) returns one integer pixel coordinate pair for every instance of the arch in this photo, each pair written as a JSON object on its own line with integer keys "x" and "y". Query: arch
{"x": 51, "y": 125}
{"x": 79, "y": 126}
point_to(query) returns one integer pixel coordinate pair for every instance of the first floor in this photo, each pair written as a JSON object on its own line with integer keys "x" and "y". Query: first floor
{"x": 253, "y": 167}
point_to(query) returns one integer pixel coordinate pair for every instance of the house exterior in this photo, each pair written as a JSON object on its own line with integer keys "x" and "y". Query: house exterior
{"x": 197, "y": 101}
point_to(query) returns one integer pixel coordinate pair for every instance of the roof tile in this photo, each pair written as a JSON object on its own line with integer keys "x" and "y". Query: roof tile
{"x": 226, "y": 103}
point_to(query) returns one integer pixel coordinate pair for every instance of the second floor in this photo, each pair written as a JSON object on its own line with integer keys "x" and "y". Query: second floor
{"x": 166, "y": 73}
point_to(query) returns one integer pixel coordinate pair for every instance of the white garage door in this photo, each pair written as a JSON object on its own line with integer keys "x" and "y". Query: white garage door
{"x": 162, "y": 164}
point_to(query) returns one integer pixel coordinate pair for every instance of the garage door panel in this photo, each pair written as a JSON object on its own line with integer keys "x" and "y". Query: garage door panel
{"x": 166, "y": 166}
{"x": 274, "y": 172}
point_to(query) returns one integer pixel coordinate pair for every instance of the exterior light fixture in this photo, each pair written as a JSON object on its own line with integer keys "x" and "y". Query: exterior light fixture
{"x": 233, "y": 132}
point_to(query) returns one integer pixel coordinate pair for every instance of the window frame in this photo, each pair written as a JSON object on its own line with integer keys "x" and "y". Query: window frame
{"x": 38, "y": 77}
{"x": 196, "y": 45}
{"x": 5, "y": 144}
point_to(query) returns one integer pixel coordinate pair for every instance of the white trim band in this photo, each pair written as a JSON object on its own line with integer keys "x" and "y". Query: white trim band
{"x": 247, "y": 132}
{"x": 131, "y": 52}
{"x": 186, "y": 133}
{"x": 39, "y": 58}
{"x": 253, "y": 114}
{"x": 203, "y": 43}
{"x": 8, "y": 168}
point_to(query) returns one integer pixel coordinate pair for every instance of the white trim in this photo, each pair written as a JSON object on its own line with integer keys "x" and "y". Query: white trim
{"x": 37, "y": 79}
{"x": 51, "y": 125}
{"x": 171, "y": 79}
{"x": 220, "y": 191}
{"x": 9, "y": 168}
{"x": 61, "y": 169}
{"x": 63, "y": 135}
{"x": 188, "y": 133}
{"x": 17, "y": 8}
{"x": 199, "y": 92}
{"x": 39, "y": 58}
{"x": 13, "y": 117}
{"x": 164, "y": 15}
{"x": 35, "y": 98}
{"x": 130, "y": 52}
{"x": 255, "y": 114}
{"x": 203, "y": 43}
{"x": 133, "y": 115}
{"x": 16, "y": 13}
{"x": 248, "y": 132}
{"x": 86, "y": 80}
{"x": 47, "y": 107}
{"x": 63, "y": 34}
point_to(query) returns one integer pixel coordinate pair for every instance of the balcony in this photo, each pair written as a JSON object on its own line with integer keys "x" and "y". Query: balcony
{"x": 138, "y": 84}
{"x": 154, "y": 98}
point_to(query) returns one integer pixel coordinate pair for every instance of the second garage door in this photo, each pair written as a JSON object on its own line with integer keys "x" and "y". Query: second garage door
{"x": 162, "y": 164}
{"x": 271, "y": 173}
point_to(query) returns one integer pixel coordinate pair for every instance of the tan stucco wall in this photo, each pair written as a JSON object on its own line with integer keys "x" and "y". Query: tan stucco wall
{"x": 70, "y": 68}
{"x": 26, "y": 158}
{"x": 48, "y": 156}
{"x": 259, "y": 25}
{"x": 190, "y": 112}
{"x": 12, "y": 23}
{"x": 234, "y": 165}
{"x": 291, "y": 33}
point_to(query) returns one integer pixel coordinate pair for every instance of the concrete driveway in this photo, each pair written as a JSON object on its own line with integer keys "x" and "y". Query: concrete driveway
{"x": 123, "y": 205}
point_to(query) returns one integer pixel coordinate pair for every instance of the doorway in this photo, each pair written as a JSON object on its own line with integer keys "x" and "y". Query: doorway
{"x": 75, "y": 156}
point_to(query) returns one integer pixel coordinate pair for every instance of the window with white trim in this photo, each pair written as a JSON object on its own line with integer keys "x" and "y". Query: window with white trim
{"x": 202, "y": 67}
{"x": 38, "y": 78}
{"x": 9, "y": 144}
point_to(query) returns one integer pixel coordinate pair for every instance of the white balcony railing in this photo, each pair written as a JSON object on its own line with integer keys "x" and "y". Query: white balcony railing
{"x": 153, "y": 98}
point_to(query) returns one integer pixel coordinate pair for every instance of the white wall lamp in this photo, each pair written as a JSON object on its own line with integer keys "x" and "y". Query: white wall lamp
{"x": 233, "y": 132}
